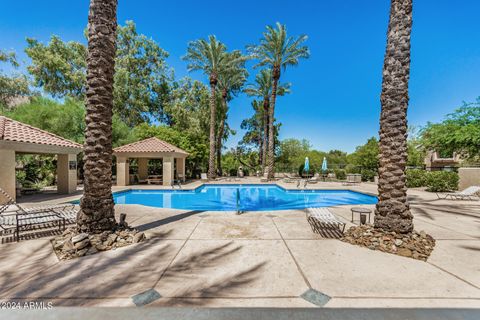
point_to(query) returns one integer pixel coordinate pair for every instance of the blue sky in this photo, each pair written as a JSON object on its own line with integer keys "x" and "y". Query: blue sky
{"x": 335, "y": 94}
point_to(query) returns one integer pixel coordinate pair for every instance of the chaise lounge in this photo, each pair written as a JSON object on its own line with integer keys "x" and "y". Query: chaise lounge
{"x": 14, "y": 216}
{"x": 470, "y": 193}
{"x": 323, "y": 218}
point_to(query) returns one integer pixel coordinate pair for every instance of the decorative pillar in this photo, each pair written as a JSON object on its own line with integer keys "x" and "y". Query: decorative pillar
{"x": 123, "y": 171}
{"x": 142, "y": 168}
{"x": 66, "y": 173}
{"x": 7, "y": 173}
{"x": 168, "y": 171}
{"x": 181, "y": 168}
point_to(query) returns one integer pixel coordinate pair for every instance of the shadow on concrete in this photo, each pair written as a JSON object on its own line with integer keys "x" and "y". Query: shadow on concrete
{"x": 184, "y": 270}
{"x": 162, "y": 222}
{"x": 47, "y": 195}
{"x": 104, "y": 274}
{"x": 124, "y": 273}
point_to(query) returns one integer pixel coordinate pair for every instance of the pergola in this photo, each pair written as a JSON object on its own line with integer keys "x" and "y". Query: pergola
{"x": 20, "y": 138}
{"x": 151, "y": 148}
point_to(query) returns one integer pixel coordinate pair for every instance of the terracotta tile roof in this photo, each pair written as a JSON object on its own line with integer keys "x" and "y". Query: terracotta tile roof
{"x": 149, "y": 145}
{"x": 11, "y": 130}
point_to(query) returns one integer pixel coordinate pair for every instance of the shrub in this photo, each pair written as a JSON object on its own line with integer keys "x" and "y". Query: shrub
{"x": 340, "y": 174}
{"x": 435, "y": 181}
{"x": 368, "y": 174}
{"x": 416, "y": 178}
{"x": 441, "y": 181}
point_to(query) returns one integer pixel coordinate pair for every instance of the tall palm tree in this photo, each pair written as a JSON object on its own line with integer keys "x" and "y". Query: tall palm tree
{"x": 262, "y": 88}
{"x": 277, "y": 51}
{"x": 209, "y": 57}
{"x": 392, "y": 210}
{"x": 96, "y": 206}
{"x": 230, "y": 82}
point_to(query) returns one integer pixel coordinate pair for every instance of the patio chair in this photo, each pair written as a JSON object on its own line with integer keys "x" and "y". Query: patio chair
{"x": 203, "y": 177}
{"x": 320, "y": 218}
{"x": 15, "y": 216}
{"x": 470, "y": 193}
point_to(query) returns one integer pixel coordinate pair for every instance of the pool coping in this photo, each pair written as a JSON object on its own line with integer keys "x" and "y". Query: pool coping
{"x": 202, "y": 184}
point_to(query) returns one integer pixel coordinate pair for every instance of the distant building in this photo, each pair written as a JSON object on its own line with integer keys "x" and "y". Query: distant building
{"x": 433, "y": 162}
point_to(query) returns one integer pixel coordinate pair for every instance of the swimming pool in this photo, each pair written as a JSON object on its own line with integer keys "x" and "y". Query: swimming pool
{"x": 249, "y": 198}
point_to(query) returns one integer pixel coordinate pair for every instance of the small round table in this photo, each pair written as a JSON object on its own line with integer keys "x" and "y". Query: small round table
{"x": 361, "y": 211}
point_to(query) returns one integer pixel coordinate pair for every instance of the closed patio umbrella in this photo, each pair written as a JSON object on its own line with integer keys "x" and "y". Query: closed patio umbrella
{"x": 324, "y": 165}
{"x": 306, "y": 166}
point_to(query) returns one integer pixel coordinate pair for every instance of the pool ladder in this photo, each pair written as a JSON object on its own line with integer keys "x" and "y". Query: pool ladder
{"x": 238, "y": 202}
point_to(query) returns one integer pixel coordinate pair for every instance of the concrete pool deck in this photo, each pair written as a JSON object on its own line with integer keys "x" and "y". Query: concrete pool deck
{"x": 257, "y": 259}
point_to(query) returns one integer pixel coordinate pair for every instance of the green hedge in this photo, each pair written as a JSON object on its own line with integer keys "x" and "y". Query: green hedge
{"x": 416, "y": 178}
{"x": 441, "y": 181}
{"x": 435, "y": 181}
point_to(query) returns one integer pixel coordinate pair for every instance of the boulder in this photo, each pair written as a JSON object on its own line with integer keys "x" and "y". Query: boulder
{"x": 138, "y": 237}
{"x": 79, "y": 237}
{"x": 82, "y": 244}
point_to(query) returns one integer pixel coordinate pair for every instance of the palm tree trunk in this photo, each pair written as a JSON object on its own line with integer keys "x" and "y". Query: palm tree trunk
{"x": 392, "y": 211}
{"x": 213, "y": 113}
{"x": 266, "y": 103}
{"x": 221, "y": 129}
{"x": 97, "y": 211}
{"x": 271, "y": 127}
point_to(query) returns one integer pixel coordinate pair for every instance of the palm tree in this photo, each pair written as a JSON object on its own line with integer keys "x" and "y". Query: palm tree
{"x": 230, "y": 82}
{"x": 392, "y": 211}
{"x": 277, "y": 51}
{"x": 209, "y": 57}
{"x": 262, "y": 88}
{"x": 96, "y": 206}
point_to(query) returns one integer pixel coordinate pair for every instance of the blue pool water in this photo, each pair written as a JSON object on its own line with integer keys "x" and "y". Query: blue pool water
{"x": 251, "y": 198}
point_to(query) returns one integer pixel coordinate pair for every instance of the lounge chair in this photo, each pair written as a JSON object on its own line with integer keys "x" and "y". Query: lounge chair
{"x": 470, "y": 193}
{"x": 264, "y": 178}
{"x": 321, "y": 218}
{"x": 14, "y": 216}
{"x": 290, "y": 179}
{"x": 203, "y": 177}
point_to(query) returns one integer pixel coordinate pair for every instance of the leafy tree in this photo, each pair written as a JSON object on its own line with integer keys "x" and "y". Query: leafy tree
{"x": 142, "y": 77}
{"x": 59, "y": 68}
{"x": 292, "y": 153}
{"x": 11, "y": 86}
{"x": 141, "y": 81}
{"x": 63, "y": 119}
{"x": 277, "y": 51}
{"x": 459, "y": 132}
{"x": 365, "y": 159}
{"x": 254, "y": 129}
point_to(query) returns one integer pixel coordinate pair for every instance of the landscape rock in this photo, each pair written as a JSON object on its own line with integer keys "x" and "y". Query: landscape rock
{"x": 79, "y": 237}
{"x": 72, "y": 244}
{"x": 416, "y": 245}
{"x": 82, "y": 244}
{"x": 138, "y": 237}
